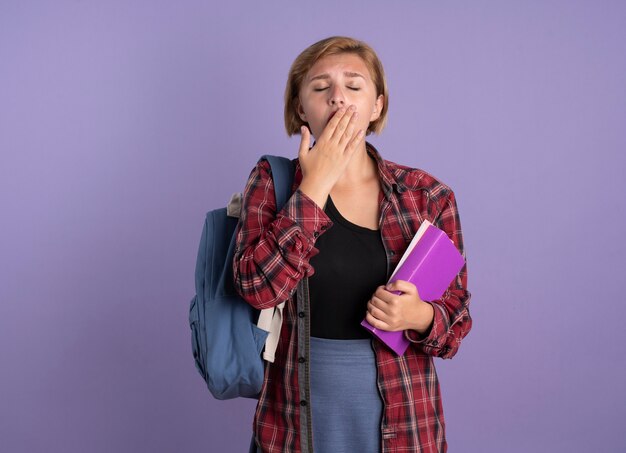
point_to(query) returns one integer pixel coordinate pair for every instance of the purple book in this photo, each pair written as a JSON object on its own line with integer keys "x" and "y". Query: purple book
{"x": 430, "y": 262}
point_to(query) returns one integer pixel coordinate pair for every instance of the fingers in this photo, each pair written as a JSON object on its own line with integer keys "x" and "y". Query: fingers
{"x": 378, "y": 308}
{"x": 341, "y": 127}
{"x": 305, "y": 141}
{"x": 403, "y": 286}
{"x": 385, "y": 301}
{"x": 346, "y": 117}
{"x": 385, "y": 294}
{"x": 350, "y": 132}
{"x": 329, "y": 130}
{"x": 381, "y": 321}
{"x": 375, "y": 322}
{"x": 355, "y": 141}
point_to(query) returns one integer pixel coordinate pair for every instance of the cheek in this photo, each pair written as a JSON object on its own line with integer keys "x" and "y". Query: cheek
{"x": 311, "y": 112}
{"x": 366, "y": 107}
{"x": 365, "y": 114}
{"x": 307, "y": 107}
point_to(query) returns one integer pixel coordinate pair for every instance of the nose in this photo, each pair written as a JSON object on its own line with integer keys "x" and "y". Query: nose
{"x": 337, "y": 98}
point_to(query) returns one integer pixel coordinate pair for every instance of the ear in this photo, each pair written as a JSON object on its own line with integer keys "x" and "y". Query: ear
{"x": 300, "y": 111}
{"x": 378, "y": 108}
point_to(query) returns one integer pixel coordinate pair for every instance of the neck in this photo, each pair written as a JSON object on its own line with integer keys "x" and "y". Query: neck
{"x": 361, "y": 169}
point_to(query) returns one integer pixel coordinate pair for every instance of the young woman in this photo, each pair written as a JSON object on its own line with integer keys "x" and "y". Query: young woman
{"x": 329, "y": 253}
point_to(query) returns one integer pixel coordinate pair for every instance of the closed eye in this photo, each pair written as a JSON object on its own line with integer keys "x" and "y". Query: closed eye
{"x": 325, "y": 88}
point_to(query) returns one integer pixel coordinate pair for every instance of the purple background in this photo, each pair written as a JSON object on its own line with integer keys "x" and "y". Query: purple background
{"x": 121, "y": 123}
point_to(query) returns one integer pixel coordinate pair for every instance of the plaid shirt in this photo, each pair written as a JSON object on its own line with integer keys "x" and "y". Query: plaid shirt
{"x": 271, "y": 265}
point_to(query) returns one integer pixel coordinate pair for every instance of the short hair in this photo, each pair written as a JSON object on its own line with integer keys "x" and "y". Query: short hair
{"x": 335, "y": 45}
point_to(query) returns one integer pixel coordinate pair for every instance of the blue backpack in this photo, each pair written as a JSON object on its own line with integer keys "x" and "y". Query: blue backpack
{"x": 225, "y": 339}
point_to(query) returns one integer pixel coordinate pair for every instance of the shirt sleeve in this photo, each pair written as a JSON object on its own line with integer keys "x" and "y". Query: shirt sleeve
{"x": 452, "y": 321}
{"x": 273, "y": 249}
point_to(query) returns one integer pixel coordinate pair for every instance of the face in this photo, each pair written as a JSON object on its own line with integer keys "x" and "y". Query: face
{"x": 338, "y": 81}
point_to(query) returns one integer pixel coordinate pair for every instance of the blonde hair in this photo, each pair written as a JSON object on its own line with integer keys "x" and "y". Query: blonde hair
{"x": 334, "y": 45}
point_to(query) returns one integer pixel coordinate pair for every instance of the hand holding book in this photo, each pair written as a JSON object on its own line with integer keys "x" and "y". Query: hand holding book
{"x": 397, "y": 306}
{"x": 430, "y": 262}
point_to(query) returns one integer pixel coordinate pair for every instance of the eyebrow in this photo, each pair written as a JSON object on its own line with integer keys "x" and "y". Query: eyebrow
{"x": 327, "y": 76}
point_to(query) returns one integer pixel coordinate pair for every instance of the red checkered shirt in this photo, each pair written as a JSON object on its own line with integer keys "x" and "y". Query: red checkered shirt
{"x": 271, "y": 265}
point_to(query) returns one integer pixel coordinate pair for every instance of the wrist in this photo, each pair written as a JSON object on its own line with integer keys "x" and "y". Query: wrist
{"x": 424, "y": 318}
{"x": 316, "y": 192}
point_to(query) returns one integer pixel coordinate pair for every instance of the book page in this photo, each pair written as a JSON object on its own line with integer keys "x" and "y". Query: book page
{"x": 420, "y": 232}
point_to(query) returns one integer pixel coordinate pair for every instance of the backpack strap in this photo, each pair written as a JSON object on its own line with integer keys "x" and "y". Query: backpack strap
{"x": 282, "y": 174}
{"x": 271, "y": 319}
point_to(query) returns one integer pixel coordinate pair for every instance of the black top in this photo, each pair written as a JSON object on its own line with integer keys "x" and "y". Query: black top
{"x": 350, "y": 264}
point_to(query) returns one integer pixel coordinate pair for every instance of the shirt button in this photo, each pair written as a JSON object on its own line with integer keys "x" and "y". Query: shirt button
{"x": 303, "y": 403}
{"x": 316, "y": 234}
{"x": 301, "y": 359}
{"x": 301, "y": 314}
{"x": 391, "y": 253}
{"x": 324, "y": 227}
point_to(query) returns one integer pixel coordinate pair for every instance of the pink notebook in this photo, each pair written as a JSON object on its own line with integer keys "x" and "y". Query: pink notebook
{"x": 431, "y": 262}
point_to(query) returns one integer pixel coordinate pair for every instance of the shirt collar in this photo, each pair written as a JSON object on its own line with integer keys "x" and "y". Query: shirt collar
{"x": 387, "y": 177}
